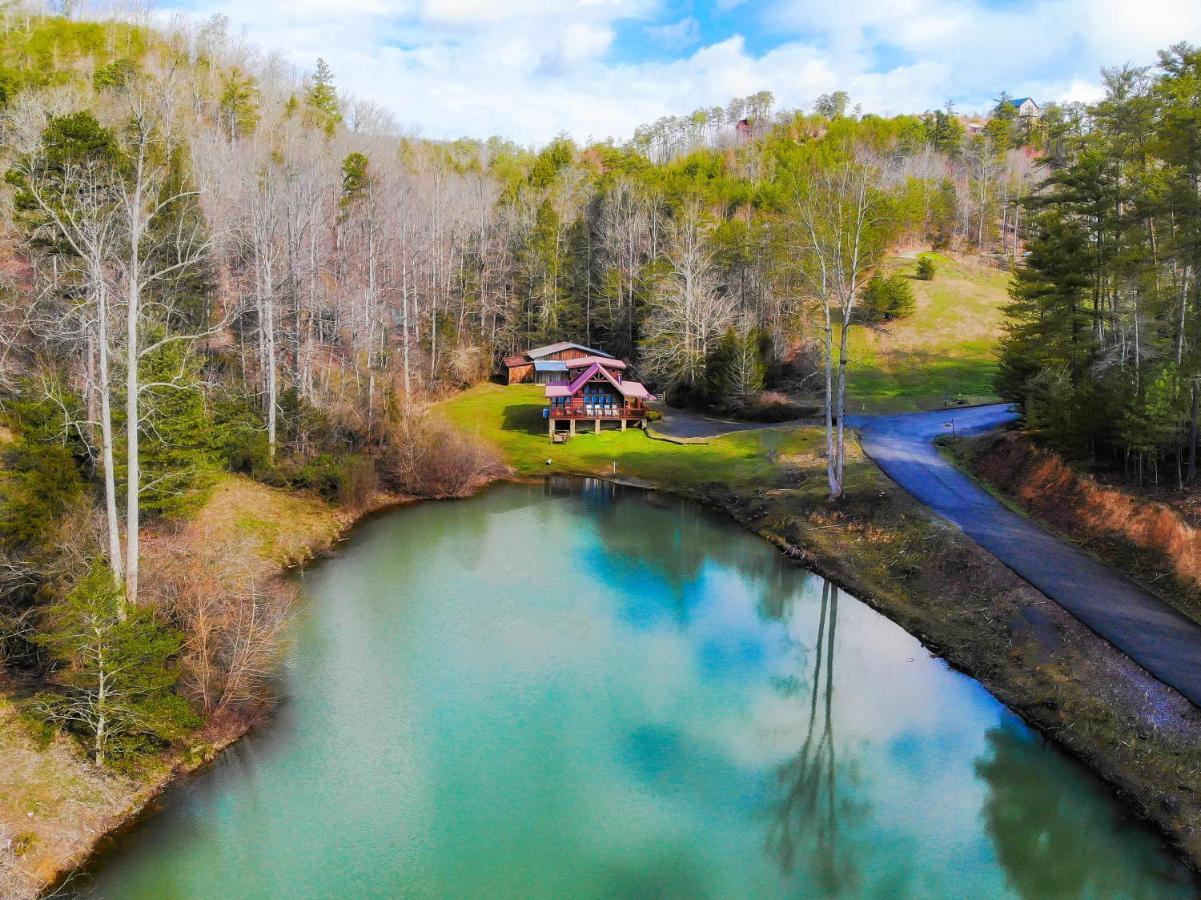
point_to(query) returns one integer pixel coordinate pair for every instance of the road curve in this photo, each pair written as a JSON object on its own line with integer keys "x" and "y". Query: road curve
{"x": 1163, "y": 641}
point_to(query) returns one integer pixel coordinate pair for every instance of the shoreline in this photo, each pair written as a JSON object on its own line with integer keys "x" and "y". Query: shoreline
{"x": 215, "y": 737}
{"x": 1006, "y": 686}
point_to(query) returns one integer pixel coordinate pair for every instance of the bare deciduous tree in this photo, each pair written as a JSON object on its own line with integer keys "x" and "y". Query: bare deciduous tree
{"x": 842, "y": 223}
{"x": 690, "y": 308}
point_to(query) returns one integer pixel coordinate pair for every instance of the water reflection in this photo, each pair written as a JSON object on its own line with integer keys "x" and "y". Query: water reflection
{"x": 576, "y": 689}
{"x": 1045, "y": 830}
{"x": 807, "y": 818}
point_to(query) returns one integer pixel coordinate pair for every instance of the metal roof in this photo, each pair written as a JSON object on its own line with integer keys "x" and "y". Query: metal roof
{"x": 564, "y": 345}
{"x": 550, "y": 365}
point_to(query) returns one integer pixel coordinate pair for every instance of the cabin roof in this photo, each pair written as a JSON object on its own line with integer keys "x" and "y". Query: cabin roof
{"x": 634, "y": 389}
{"x": 585, "y": 361}
{"x": 538, "y": 352}
{"x": 511, "y": 361}
{"x": 550, "y": 365}
{"x": 570, "y": 389}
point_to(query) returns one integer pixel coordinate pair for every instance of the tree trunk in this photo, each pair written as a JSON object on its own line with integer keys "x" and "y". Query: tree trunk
{"x": 112, "y": 525}
{"x": 132, "y": 424}
{"x": 1194, "y": 414}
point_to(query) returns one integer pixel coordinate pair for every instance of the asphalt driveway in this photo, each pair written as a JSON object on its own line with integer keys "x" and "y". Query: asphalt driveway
{"x": 1163, "y": 641}
{"x": 684, "y": 424}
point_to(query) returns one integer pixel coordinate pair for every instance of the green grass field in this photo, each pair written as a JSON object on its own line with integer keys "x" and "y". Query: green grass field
{"x": 947, "y": 350}
{"x": 510, "y": 417}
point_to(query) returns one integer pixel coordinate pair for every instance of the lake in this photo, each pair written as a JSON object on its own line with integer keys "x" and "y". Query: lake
{"x": 575, "y": 689}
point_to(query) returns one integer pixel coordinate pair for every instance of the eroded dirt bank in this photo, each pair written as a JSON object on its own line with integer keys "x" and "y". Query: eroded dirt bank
{"x": 1151, "y": 541}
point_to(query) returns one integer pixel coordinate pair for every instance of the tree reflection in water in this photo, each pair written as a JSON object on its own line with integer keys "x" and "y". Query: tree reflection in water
{"x": 807, "y": 818}
{"x": 1045, "y": 829}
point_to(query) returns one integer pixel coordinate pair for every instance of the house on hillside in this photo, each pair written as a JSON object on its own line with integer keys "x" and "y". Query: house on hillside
{"x": 1026, "y": 107}
{"x": 542, "y": 365}
{"x": 595, "y": 390}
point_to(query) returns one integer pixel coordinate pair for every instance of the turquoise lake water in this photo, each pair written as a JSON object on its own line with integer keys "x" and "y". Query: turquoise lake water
{"x": 580, "y": 690}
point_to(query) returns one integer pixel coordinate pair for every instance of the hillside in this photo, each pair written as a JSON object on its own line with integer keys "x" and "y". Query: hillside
{"x": 945, "y": 351}
{"x": 54, "y": 803}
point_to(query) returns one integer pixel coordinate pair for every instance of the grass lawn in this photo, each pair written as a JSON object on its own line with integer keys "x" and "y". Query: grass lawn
{"x": 946, "y": 350}
{"x": 510, "y": 417}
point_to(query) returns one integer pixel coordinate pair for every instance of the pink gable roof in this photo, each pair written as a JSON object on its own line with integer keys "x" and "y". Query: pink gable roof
{"x": 578, "y": 383}
{"x": 627, "y": 388}
{"x": 589, "y": 372}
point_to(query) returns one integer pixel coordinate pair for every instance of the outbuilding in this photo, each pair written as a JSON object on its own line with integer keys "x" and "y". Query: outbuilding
{"x": 523, "y": 368}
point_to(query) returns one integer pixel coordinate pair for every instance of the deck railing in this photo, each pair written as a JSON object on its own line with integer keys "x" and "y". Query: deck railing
{"x": 598, "y": 411}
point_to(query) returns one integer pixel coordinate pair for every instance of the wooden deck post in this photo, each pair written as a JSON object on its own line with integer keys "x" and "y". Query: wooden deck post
{"x": 550, "y": 428}
{"x": 573, "y": 427}
{"x": 598, "y": 426}
{"x": 623, "y": 424}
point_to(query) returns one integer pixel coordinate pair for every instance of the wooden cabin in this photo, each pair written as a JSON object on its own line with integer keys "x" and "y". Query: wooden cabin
{"x": 596, "y": 391}
{"x": 545, "y": 365}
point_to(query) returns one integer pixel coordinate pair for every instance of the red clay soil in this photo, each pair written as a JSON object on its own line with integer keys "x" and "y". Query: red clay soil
{"x": 1079, "y": 505}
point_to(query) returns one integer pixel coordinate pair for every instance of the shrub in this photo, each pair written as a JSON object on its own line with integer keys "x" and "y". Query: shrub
{"x": 925, "y": 268}
{"x": 319, "y": 474}
{"x": 736, "y": 368}
{"x": 41, "y": 483}
{"x": 23, "y": 843}
{"x": 235, "y": 626}
{"x": 348, "y": 479}
{"x": 357, "y": 481}
{"x": 113, "y": 678}
{"x": 175, "y": 451}
{"x": 887, "y": 298}
{"x": 468, "y": 364}
{"x": 239, "y": 436}
{"x": 770, "y": 406}
{"x": 426, "y": 457}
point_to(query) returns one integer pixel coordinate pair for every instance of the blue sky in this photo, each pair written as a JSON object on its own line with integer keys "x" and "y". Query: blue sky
{"x": 528, "y": 69}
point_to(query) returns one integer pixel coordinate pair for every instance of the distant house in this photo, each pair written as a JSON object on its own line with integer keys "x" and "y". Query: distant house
{"x": 595, "y": 390}
{"x": 1026, "y": 107}
{"x": 543, "y": 365}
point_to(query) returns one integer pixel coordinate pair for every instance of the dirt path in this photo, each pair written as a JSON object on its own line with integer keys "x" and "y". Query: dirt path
{"x": 1144, "y": 627}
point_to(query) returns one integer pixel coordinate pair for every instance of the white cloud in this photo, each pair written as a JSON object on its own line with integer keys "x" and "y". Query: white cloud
{"x": 528, "y": 69}
{"x": 677, "y": 35}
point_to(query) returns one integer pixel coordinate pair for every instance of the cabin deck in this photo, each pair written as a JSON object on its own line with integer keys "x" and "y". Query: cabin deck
{"x": 637, "y": 417}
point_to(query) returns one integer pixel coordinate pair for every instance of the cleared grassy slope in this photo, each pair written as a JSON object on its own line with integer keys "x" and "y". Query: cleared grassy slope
{"x": 510, "y": 417}
{"x": 947, "y": 350}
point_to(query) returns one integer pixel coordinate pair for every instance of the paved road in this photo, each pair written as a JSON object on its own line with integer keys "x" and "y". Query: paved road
{"x": 1148, "y": 630}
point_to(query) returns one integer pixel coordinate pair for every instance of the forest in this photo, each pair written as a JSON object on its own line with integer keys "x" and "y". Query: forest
{"x": 1102, "y": 348}
{"x": 213, "y": 263}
